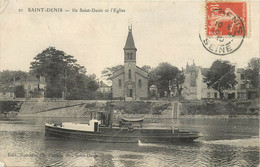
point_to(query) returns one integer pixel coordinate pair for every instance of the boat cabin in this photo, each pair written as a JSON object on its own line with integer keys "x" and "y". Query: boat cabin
{"x": 131, "y": 122}
{"x": 105, "y": 117}
{"x": 107, "y": 120}
{"x": 92, "y": 126}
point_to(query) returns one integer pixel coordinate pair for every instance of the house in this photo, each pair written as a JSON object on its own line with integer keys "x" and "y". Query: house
{"x": 104, "y": 88}
{"x": 238, "y": 91}
{"x": 33, "y": 86}
{"x": 130, "y": 82}
{"x": 206, "y": 92}
{"x": 195, "y": 89}
{"x": 245, "y": 91}
{"x": 7, "y": 93}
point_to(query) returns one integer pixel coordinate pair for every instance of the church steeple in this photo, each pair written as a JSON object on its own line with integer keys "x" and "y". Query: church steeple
{"x": 129, "y": 45}
{"x": 130, "y": 49}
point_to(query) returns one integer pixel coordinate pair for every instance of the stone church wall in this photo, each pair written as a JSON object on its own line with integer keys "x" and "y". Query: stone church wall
{"x": 143, "y": 90}
{"x": 116, "y": 90}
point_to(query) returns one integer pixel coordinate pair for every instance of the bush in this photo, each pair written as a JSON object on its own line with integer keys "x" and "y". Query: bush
{"x": 6, "y": 106}
{"x": 133, "y": 107}
{"x": 158, "y": 109}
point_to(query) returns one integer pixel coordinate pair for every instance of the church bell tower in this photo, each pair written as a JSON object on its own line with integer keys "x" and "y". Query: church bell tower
{"x": 130, "y": 65}
{"x": 130, "y": 49}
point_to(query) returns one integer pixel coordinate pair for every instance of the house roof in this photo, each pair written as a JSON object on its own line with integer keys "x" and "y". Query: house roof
{"x": 130, "y": 41}
{"x": 29, "y": 79}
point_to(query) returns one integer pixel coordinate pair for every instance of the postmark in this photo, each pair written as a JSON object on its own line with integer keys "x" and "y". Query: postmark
{"x": 226, "y": 27}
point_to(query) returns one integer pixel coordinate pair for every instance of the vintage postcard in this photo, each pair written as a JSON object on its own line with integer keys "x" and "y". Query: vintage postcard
{"x": 129, "y": 83}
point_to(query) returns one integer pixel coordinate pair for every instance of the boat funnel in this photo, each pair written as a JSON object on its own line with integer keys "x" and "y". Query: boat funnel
{"x": 110, "y": 115}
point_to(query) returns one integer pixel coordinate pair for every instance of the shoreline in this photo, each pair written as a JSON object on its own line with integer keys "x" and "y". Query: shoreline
{"x": 146, "y": 116}
{"x": 221, "y": 116}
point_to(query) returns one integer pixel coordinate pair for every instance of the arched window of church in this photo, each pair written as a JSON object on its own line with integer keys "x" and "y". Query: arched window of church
{"x": 119, "y": 83}
{"x": 139, "y": 83}
{"x": 129, "y": 74}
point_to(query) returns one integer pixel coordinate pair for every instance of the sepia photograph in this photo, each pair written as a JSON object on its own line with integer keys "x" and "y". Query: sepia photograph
{"x": 141, "y": 83}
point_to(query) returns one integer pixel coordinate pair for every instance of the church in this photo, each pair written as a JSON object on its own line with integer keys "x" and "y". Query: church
{"x": 130, "y": 82}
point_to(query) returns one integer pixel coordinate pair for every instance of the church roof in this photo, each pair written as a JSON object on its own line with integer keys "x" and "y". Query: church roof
{"x": 142, "y": 69}
{"x": 130, "y": 41}
{"x": 139, "y": 71}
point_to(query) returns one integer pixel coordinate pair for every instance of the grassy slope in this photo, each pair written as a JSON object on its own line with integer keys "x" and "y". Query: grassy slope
{"x": 82, "y": 108}
{"x": 220, "y": 108}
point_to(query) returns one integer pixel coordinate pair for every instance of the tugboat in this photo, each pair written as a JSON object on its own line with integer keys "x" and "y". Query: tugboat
{"x": 101, "y": 128}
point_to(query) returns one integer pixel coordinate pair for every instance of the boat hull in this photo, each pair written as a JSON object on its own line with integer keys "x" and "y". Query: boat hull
{"x": 123, "y": 135}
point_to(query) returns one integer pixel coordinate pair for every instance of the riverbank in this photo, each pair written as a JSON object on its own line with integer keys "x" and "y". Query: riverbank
{"x": 220, "y": 116}
{"x": 231, "y": 108}
{"x": 148, "y": 109}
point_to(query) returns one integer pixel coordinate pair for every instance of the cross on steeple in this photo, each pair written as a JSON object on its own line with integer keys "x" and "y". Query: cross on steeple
{"x": 130, "y": 25}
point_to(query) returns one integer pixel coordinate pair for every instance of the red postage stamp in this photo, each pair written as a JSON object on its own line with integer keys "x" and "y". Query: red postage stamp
{"x": 226, "y": 19}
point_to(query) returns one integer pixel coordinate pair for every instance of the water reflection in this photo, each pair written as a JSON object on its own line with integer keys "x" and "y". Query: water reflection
{"x": 226, "y": 143}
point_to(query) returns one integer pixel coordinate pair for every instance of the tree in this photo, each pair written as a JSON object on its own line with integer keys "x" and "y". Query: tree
{"x": 152, "y": 77}
{"x": 7, "y": 77}
{"x": 221, "y": 76}
{"x": 19, "y": 91}
{"x": 251, "y": 74}
{"x": 254, "y": 63}
{"x": 83, "y": 87}
{"x": 59, "y": 69}
{"x": 165, "y": 73}
{"x": 92, "y": 83}
{"x": 146, "y": 68}
{"x": 178, "y": 81}
{"x": 108, "y": 71}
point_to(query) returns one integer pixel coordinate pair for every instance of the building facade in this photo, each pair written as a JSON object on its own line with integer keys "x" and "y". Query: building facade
{"x": 104, "y": 88}
{"x": 195, "y": 89}
{"x": 193, "y": 82}
{"x": 31, "y": 85}
{"x": 130, "y": 82}
{"x": 7, "y": 93}
{"x": 33, "y": 88}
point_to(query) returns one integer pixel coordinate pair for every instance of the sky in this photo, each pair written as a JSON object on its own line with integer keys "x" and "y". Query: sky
{"x": 165, "y": 31}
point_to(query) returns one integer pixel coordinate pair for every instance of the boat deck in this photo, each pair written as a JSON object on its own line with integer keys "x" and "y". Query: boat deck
{"x": 117, "y": 134}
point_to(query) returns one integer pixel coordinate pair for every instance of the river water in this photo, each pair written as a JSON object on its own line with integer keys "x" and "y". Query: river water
{"x": 226, "y": 142}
